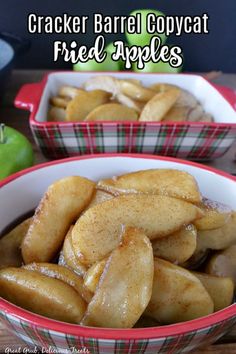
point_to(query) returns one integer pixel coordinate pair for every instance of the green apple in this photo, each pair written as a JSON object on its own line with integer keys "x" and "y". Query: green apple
{"x": 159, "y": 67}
{"x": 91, "y": 65}
{"x": 16, "y": 152}
{"x": 144, "y": 37}
{"x": 110, "y": 49}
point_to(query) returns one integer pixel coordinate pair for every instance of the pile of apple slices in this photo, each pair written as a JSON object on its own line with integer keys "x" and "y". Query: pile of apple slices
{"x": 106, "y": 98}
{"x": 122, "y": 252}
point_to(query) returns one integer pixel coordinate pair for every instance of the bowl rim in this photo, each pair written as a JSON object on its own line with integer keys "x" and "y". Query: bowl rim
{"x": 108, "y": 333}
{"x": 39, "y": 87}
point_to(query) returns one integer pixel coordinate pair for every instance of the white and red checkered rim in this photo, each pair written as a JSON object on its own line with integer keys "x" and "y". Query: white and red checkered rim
{"x": 126, "y": 334}
{"x": 33, "y": 102}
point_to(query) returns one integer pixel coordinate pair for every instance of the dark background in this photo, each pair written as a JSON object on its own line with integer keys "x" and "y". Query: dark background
{"x": 213, "y": 51}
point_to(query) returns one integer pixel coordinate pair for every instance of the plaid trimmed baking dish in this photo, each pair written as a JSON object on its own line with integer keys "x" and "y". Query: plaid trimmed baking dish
{"x": 59, "y": 337}
{"x": 189, "y": 140}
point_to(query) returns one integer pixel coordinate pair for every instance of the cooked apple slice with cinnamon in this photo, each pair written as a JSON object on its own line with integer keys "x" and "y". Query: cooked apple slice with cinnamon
{"x": 56, "y": 114}
{"x": 69, "y": 91}
{"x": 41, "y": 294}
{"x": 136, "y": 91}
{"x": 97, "y": 232}
{"x": 216, "y": 215}
{"x": 60, "y": 102}
{"x": 156, "y": 108}
{"x": 223, "y": 263}
{"x": 112, "y": 112}
{"x": 125, "y": 287}
{"x": 220, "y": 238}
{"x": 80, "y": 106}
{"x": 61, "y": 205}
{"x": 92, "y": 277}
{"x": 100, "y": 196}
{"x": 220, "y": 289}
{"x": 10, "y": 253}
{"x": 102, "y": 82}
{"x": 170, "y": 182}
{"x": 68, "y": 257}
{"x": 177, "y": 295}
{"x": 64, "y": 274}
{"x": 177, "y": 247}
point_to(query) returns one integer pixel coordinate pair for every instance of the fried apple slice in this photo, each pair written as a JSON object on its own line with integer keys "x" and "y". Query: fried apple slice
{"x": 129, "y": 102}
{"x": 103, "y": 82}
{"x": 170, "y": 182}
{"x": 64, "y": 274}
{"x": 216, "y": 215}
{"x": 177, "y": 114}
{"x": 186, "y": 107}
{"x": 162, "y": 87}
{"x": 177, "y": 247}
{"x": 97, "y": 232}
{"x": 134, "y": 81}
{"x": 125, "y": 287}
{"x": 60, "y": 102}
{"x": 111, "y": 85}
{"x": 93, "y": 275}
{"x": 185, "y": 99}
{"x": 59, "y": 208}
{"x": 10, "y": 254}
{"x": 135, "y": 91}
{"x": 221, "y": 290}
{"x": 218, "y": 239}
{"x": 41, "y": 294}
{"x": 112, "y": 112}
{"x": 139, "y": 105}
{"x": 159, "y": 105}
{"x": 196, "y": 113}
{"x": 177, "y": 295}
{"x": 56, "y": 114}
{"x": 80, "y": 106}
{"x": 69, "y": 91}
{"x": 223, "y": 264}
{"x": 68, "y": 257}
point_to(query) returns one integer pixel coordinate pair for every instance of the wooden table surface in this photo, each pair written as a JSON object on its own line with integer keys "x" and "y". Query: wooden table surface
{"x": 19, "y": 119}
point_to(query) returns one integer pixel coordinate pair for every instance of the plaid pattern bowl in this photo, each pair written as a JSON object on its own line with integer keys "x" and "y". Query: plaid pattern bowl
{"x": 199, "y": 141}
{"x": 21, "y": 193}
